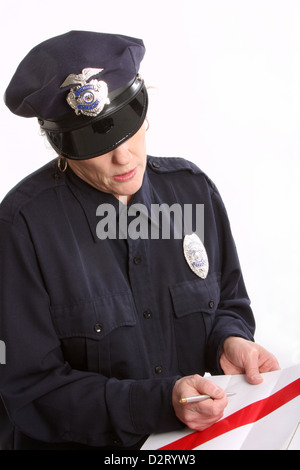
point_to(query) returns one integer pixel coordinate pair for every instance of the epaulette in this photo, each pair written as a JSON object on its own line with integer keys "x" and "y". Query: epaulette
{"x": 176, "y": 164}
{"x": 171, "y": 164}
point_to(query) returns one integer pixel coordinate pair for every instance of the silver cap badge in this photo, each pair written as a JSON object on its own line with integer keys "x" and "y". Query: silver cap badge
{"x": 195, "y": 255}
{"x": 87, "y": 98}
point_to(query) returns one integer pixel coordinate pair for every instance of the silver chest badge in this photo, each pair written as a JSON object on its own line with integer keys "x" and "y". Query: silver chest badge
{"x": 87, "y": 98}
{"x": 195, "y": 255}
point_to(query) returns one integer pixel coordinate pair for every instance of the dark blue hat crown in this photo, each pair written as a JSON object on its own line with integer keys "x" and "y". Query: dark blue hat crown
{"x": 35, "y": 89}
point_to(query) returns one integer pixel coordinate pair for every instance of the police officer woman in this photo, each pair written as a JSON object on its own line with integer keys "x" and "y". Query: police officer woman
{"x": 106, "y": 329}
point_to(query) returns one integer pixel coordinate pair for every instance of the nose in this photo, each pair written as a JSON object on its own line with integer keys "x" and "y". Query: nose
{"x": 121, "y": 155}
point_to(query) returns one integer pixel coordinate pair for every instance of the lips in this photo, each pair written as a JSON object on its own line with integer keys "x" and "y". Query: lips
{"x": 125, "y": 176}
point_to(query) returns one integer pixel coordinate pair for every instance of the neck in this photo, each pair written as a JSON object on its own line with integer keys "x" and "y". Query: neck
{"x": 123, "y": 199}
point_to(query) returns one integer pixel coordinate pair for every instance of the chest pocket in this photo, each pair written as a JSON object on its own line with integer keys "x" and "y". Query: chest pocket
{"x": 96, "y": 335}
{"x": 194, "y": 305}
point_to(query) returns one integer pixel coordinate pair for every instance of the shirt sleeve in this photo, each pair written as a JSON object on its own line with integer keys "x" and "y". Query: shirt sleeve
{"x": 45, "y": 398}
{"x": 234, "y": 316}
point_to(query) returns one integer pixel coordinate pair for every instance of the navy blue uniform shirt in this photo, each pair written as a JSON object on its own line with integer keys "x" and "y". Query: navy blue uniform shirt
{"x": 98, "y": 331}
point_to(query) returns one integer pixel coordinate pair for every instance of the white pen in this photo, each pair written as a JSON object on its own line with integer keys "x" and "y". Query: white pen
{"x": 200, "y": 398}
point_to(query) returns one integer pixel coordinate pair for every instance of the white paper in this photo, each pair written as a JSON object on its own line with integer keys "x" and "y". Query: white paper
{"x": 294, "y": 442}
{"x": 277, "y": 430}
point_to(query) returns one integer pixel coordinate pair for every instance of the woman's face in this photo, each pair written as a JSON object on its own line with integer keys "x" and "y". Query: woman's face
{"x": 119, "y": 172}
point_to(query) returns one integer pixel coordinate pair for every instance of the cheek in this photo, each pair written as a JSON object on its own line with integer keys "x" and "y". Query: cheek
{"x": 138, "y": 141}
{"x": 100, "y": 166}
{"x": 97, "y": 173}
{"x": 139, "y": 151}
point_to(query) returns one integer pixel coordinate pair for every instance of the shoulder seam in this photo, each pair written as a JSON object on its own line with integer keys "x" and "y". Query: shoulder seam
{"x": 21, "y": 195}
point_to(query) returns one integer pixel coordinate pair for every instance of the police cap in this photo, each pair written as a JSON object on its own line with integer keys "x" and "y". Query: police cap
{"x": 85, "y": 90}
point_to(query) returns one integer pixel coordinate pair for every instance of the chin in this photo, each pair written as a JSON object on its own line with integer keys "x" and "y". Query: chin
{"x": 130, "y": 188}
{"x": 133, "y": 188}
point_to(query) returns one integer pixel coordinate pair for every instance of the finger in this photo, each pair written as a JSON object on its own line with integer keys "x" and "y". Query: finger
{"x": 269, "y": 364}
{"x": 203, "y": 414}
{"x": 251, "y": 368}
{"x": 206, "y": 387}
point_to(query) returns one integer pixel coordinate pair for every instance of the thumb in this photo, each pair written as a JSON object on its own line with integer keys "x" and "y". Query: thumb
{"x": 252, "y": 373}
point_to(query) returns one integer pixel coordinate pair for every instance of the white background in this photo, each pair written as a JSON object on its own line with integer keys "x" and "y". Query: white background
{"x": 227, "y": 97}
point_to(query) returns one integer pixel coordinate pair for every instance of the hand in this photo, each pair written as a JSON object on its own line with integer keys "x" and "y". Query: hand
{"x": 240, "y": 356}
{"x": 199, "y": 415}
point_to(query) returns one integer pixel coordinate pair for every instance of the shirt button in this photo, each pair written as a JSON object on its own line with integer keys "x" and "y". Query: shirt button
{"x": 156, "y": 165}
{"x": 117, "y": 442}
{"x": 98, "y": 328}
{"x": 147, "y": 314}
{"x": 158, "y": 369}
{"x": 137, "y": 260}
{"x": 211, "y": 304}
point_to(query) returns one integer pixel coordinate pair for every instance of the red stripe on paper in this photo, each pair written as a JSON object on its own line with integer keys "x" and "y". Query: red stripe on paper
{"x": 249, "y": 414}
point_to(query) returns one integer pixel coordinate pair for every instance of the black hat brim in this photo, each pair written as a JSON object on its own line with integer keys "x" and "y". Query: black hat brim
{"x": 104, "y": 134}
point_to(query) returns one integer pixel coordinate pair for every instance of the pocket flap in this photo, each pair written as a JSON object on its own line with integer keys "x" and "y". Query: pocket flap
{"x": 200, "y": 295}
{"x": 95, "y": 318}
